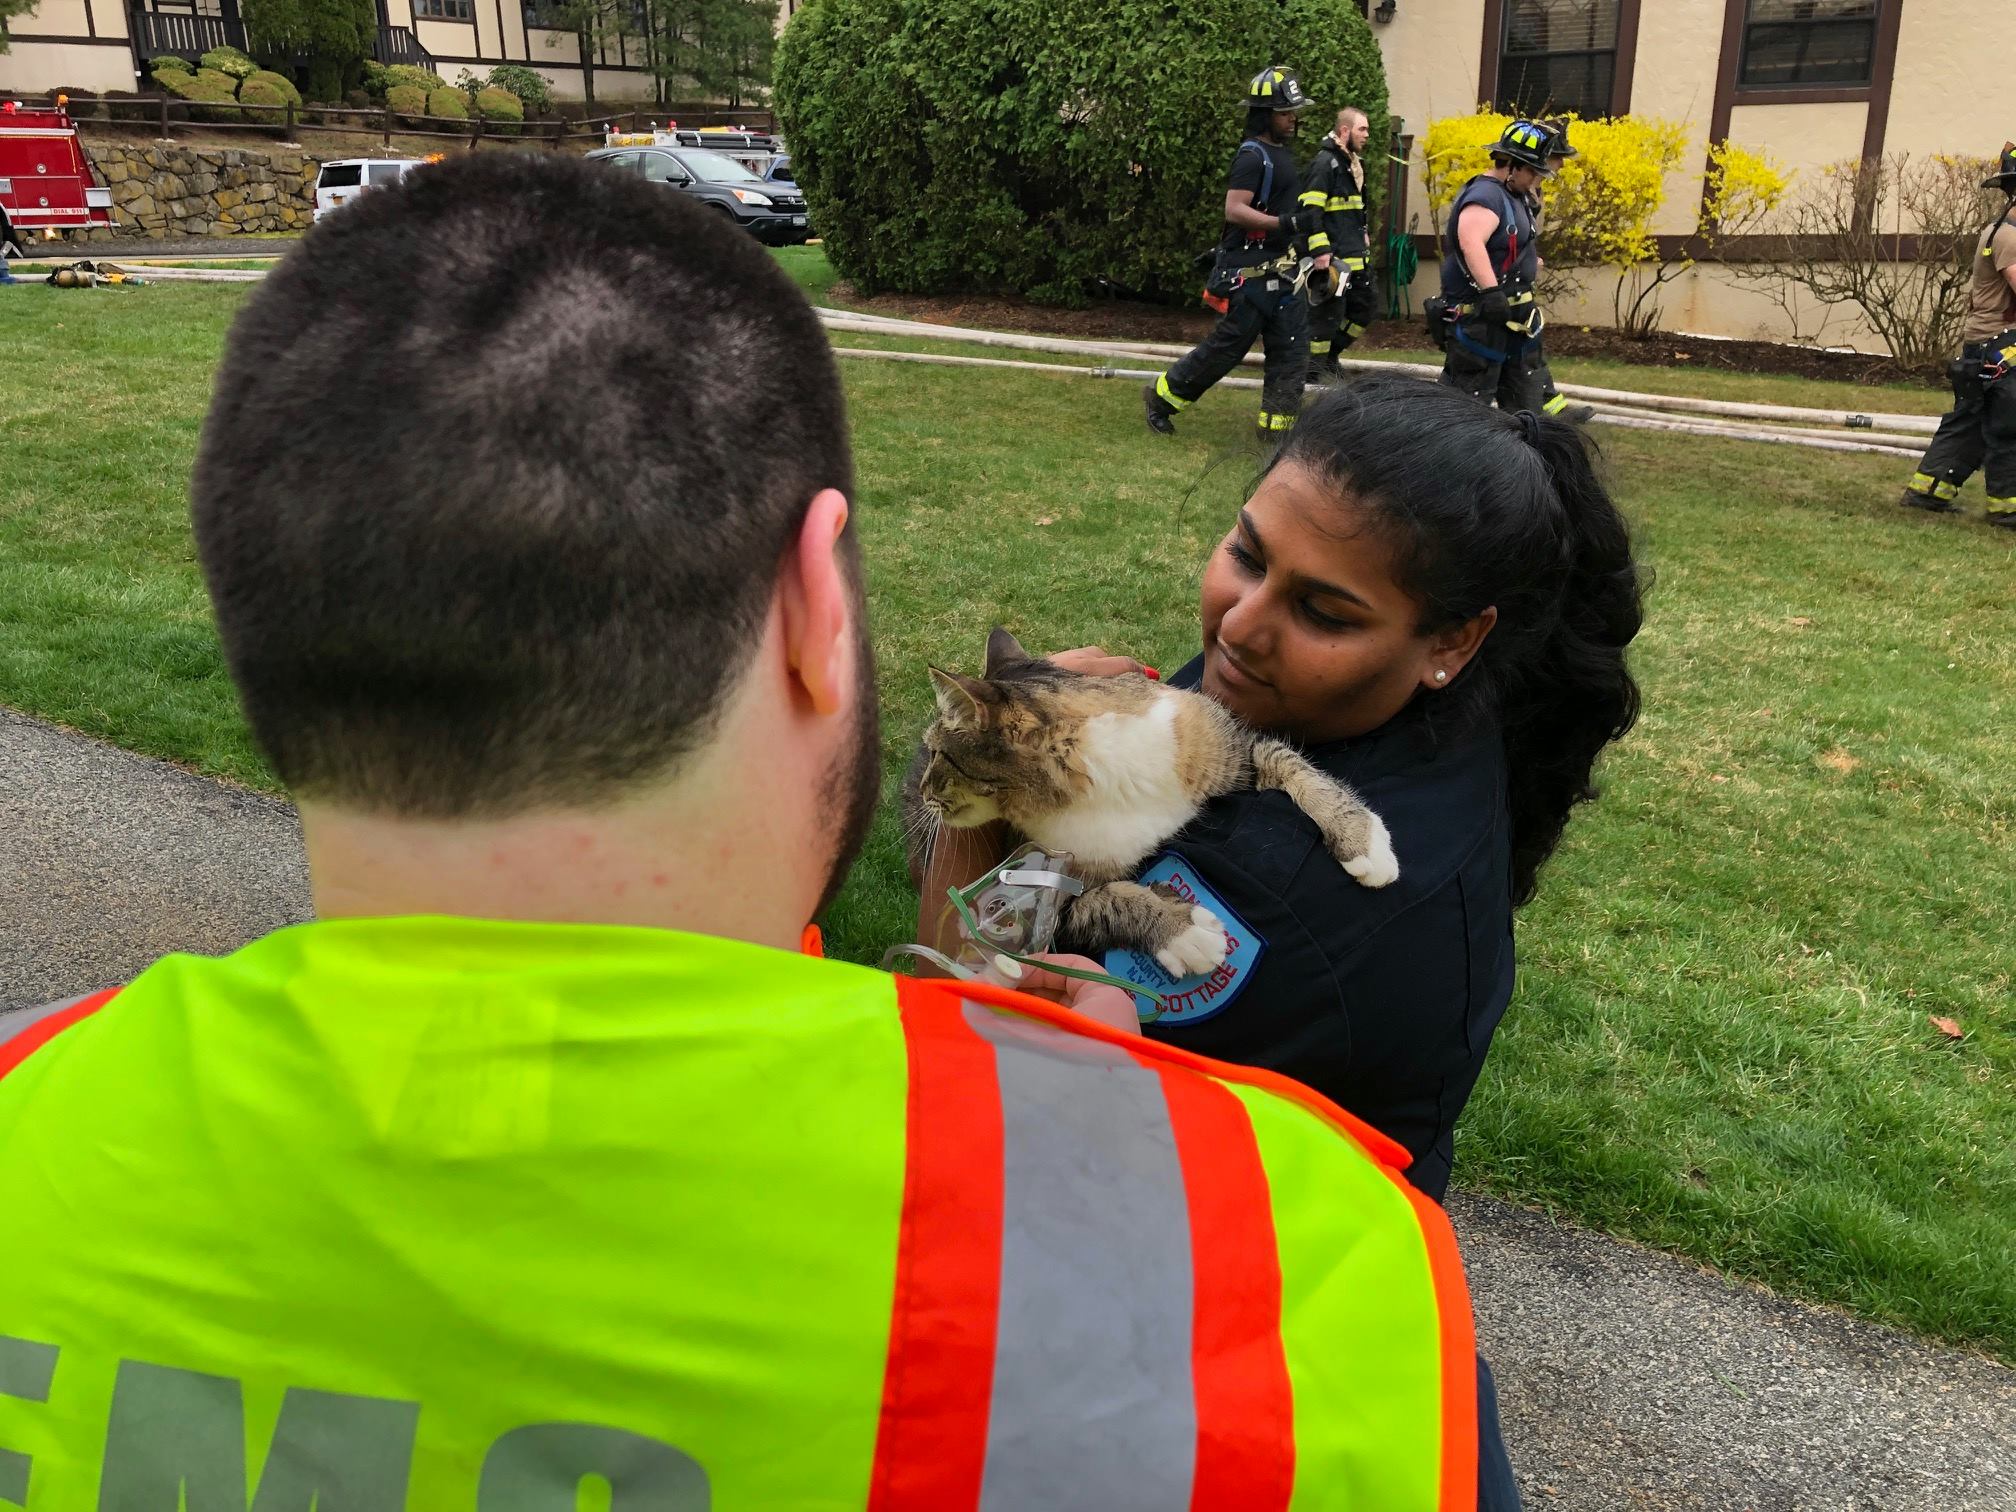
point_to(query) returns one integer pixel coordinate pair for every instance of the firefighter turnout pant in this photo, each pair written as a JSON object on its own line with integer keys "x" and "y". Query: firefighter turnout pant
{"x": 1488, "y": 360}
{"x": 1979, "y": 433}
{"x": 1337, "y": 322}
{"x": 1265, "y": 308}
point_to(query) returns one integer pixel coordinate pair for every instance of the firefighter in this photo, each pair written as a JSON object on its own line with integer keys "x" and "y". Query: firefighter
{"x": 1540, "y": 395}
{"x": 1255, "y": 281}
{"x": 7, "y": 245}
{"x": 1981, "y": 429}
{"x": 1335, "y": 183}
{"x": 1486, "y": 316}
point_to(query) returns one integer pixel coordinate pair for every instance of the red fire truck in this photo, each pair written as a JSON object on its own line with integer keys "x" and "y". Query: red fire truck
{"x": 46, "y": 182}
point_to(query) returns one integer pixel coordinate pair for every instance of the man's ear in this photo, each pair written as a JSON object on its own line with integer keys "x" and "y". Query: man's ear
{"x": 819, "y": 606}
{"x": 961, "y": 700}
{"x": 1002, "y": 649}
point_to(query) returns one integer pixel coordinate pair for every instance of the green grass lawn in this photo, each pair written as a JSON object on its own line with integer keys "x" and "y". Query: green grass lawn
{"x": 1721, "y": 1041}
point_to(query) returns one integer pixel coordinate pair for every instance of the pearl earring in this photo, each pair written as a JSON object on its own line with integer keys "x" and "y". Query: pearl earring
{"x": 1441, "y": 676}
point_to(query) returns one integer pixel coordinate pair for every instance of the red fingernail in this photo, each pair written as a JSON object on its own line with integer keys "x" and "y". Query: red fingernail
{"x": 1153, "y": 673}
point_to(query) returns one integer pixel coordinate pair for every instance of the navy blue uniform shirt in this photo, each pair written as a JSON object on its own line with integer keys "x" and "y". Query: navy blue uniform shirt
{"x": 1384, "y": 1000}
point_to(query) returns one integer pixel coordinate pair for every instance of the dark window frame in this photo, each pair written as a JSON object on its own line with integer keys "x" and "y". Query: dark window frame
{"x": 1789, "y": 91}
{"x": 1623, "y": 68}
{"x": 452, "y": 11}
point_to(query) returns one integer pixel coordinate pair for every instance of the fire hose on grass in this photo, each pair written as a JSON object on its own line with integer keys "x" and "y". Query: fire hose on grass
{"x": 1777, "y": 424}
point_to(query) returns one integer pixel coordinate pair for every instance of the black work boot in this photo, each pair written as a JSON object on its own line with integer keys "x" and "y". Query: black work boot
{"x": 1930, "y": 503}
{"x": 1160, "y": 416}
{"x": 2002, "y": 519}
{"x": 1579, "y": 414}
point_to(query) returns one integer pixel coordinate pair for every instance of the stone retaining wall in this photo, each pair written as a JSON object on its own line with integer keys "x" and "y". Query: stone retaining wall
{"x": 160, "y": 190}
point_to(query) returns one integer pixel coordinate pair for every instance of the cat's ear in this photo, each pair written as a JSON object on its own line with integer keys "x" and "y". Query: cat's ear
{"x": 1002, "y": 649}
{"x": 961, "y": 700}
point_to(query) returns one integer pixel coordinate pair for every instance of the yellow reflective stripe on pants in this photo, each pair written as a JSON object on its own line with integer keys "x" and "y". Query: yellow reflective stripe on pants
{"x": 1354, "y": 330}
{"x": 1273, "y": 422}
{"x": 1167, "y": 395}
{"x": 2002, "y": 505}
{"x": 1319, "y": 348}
{"x": 1355, "y": 264}
{"x": 1555, "y": 405}
{"x": 1933, "y": 488}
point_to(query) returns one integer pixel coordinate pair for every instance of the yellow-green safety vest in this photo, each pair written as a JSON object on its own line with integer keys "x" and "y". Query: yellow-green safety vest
{"x": 463, "y": 1216}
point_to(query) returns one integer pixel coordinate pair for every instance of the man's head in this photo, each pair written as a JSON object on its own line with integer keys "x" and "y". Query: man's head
{"x": 506, "y": 470}
{"x": 1354, "y": 129}
{"x": 1275, "y": 100}
{"x": 2004, "y": 176}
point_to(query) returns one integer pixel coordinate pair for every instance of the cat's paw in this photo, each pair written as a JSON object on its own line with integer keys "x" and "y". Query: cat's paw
{"x": 1376, "y": 866}
{"x": 1201, "y": 946}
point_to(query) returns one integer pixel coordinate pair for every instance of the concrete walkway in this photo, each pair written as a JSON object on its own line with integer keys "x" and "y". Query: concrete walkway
{"x": 1629, "y": 1379}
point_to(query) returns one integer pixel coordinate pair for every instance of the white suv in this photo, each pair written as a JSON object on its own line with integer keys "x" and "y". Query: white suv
{"x": 344, "y": 179}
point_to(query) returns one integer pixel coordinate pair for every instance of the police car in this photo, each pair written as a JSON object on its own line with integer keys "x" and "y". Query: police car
{"x": 46, "y": 181}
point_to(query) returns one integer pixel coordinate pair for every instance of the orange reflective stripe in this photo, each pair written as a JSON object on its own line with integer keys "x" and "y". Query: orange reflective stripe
{"x": 1457, "y": 1341}
{"x": 1245, "y": 1409}
{"x": 1380, "y": 1147}
{"x": 1459, "y": 1354}
{"x": 17, "y": 1047}
{"x": 931, "y": 1447}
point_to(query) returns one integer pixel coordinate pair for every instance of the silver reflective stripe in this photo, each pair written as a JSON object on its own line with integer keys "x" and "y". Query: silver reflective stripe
{"x": 1093, "y": 1403}
{"x": 23, "y": 1019}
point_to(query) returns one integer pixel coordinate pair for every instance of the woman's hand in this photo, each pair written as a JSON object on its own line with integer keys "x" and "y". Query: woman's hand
{"x": 1093, "y": 661}
{"x": 1107, "y": 1005}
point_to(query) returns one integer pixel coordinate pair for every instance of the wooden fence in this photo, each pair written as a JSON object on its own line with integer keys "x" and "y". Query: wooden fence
{"x": 167, "y": 111}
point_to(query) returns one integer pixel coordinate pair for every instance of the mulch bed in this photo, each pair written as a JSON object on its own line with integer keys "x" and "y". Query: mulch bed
{"x": 1127, "y": 320}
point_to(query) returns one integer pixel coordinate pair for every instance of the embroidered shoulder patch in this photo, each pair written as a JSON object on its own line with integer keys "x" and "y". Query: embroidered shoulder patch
{"x": 1191, "y": 999}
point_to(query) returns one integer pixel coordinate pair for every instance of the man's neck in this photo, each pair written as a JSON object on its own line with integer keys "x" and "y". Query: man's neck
{"x": 718, "y": 847}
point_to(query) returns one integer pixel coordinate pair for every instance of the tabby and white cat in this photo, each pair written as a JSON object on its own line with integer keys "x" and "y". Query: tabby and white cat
{"x": 1108, "y": 768}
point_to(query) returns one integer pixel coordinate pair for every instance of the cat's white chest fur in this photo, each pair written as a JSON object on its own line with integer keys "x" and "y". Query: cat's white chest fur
{"x": 1137, "y": 799}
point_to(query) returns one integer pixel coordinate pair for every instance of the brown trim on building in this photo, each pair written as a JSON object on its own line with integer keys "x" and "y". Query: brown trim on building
{"x": 1889, "y": 22}
{"x": 90, "y": 41}
{"x": 1729, "y": 92}
{"x": 1740, "y": 249}
{"x": 1625, "y": 70}
{"x": 1494, "y": 42}
{"x": 1727, "y": 62}
{"x": 90, "y": 18}
{"x": 1846, "y": 94}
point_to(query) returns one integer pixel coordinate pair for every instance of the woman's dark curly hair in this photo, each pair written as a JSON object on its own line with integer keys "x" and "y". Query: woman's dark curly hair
{"x": 1480, "y": 515}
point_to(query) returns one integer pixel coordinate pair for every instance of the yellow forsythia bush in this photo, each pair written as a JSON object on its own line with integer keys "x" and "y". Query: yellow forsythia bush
{"x": 1599, "y": 207}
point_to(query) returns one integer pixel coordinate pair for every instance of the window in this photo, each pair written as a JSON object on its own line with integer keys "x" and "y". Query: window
{"x": 663, "y": 168}
{"x": 444, "y": 10}
{"x": 381, "y": 174}
{"x": 341, "y": 176}
{"x": 1558, "y": 55}
{"x": 1787, "y": 43}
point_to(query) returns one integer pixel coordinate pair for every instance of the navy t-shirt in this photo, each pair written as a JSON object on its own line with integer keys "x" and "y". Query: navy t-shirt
{"x": 1239, "y": 247}
{"x": 1384, "y": 1000}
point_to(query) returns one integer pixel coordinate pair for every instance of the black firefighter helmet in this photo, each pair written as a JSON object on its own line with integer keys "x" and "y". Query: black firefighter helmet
{"x": 1277, "y": 88}
{"x": 1557, "y": 133}
{"x": 1528, "y": 143}
{"x": 2004, "y": 177}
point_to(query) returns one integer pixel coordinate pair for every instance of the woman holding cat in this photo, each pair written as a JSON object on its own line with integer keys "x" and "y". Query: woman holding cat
{"x": 1433, "y": 601}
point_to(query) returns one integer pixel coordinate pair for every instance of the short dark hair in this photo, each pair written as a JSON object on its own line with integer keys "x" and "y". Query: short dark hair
{"x": 495, "y": 483}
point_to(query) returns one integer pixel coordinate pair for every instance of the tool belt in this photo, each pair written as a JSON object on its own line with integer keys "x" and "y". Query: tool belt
{"x": 1986, "y": 361}
{"x": 1444, "y": 316}
{"x": 1288, "y": 272}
